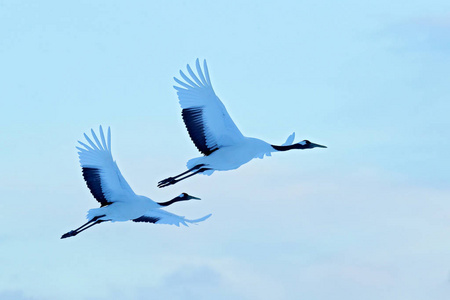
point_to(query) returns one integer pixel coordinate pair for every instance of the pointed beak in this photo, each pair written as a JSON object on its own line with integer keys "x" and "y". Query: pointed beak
{"x": 317, "y": 145}
{"x": 194, "y": 198}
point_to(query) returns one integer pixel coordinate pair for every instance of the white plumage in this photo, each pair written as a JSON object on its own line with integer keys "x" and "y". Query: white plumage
{"x": 118, "y": 201}
{"x": 213, "y": 131}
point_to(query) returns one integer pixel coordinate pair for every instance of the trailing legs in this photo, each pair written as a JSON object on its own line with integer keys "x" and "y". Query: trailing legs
{"x": 173, "y": 180}
{"x": 83, "y": 227}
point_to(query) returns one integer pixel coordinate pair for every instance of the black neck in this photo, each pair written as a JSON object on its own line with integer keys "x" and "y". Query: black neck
{"x": 289, "y": 147}
{"x": 167, "y": 203}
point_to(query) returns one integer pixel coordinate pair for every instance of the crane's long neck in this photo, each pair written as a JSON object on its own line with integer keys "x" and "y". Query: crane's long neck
{"x": 289, "y": 147}
{"x": 167, "y": 203}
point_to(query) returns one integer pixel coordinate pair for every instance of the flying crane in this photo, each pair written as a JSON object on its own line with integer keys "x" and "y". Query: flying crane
{"x": 213, "y": 131}
{"x": 118, "y": 201}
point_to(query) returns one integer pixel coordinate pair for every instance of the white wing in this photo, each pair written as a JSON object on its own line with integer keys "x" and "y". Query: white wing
{"x": 159, "y": 216}
{"x": 206, "y": 118}
{"x": 100, "y": 171}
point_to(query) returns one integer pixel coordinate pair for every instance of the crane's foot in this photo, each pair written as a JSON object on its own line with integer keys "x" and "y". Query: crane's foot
{"x": 69, "y": 234}
{"x": 167, "y": 182}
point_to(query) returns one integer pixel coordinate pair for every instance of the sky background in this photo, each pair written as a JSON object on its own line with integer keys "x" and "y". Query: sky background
{"x": 366, "y": 218}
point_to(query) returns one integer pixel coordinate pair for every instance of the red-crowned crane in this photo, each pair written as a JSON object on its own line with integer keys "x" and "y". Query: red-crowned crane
{"x": 117, "y": 199}
{"x": 213, "y": 131}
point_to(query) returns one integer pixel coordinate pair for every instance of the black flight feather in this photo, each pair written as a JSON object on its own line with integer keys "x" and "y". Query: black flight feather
{"x": 93, "y": 181}
{"x": 193, "y": 119}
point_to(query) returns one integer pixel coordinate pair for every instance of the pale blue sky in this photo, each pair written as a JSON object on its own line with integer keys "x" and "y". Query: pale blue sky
{"x": 367, "y": 218}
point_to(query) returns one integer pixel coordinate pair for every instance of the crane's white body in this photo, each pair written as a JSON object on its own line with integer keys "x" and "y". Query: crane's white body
{"x": 233, "y": 156}
{"x": 121, "y": 211}
{"x": 109, "y": 187}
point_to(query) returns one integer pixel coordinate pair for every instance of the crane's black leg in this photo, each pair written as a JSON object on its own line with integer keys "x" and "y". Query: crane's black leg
{"x": 95, "y": 223}
{"x": 172, "y": 180}
{"x": 74, "y": 232}
{"x": 88, "y": 222}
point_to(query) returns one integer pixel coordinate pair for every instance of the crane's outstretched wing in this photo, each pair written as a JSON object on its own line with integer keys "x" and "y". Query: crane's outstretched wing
{"x": 159, "y": 216}
{"x": 100, "y": 171}
{"x": 206, "y": 118}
